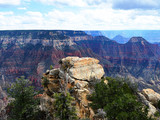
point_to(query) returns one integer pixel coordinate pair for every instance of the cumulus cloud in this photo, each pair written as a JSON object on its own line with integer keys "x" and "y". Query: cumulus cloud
{"x": 22, "y": 8}
{"x": 10, "y": 2}
{"x": 97, "y": 19}
{"x": 100, "y": 17}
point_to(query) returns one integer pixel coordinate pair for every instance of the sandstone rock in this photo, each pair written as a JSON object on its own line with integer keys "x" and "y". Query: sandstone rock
{"x": 83, "y": 68}
{"x": 71, "y": 80}
{"x": 76, "y": 75}
{"x": 152, "y": 109}
{"x": 47, "y": 72}
{"x": 54, "y": 72}
{"x": 151, "y": 96}
{"x": 81, "y": 84}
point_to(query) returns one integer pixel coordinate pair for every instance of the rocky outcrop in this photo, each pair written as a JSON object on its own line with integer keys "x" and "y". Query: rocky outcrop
{"x": 151, "y": 108}
{"x": 150, "y": 98}
{"x": 77, "y": 76}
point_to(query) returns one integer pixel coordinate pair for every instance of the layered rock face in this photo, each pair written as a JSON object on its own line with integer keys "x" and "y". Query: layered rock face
{"x": 77, "y": 76}
{"x": 30, "y": 53}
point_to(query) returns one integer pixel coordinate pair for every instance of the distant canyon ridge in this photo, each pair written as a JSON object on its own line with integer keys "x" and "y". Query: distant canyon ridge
{"x": 31, "y": 52}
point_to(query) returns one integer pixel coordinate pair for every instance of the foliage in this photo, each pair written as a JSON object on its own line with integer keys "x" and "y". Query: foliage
{"x": 158, "y": 104}
{"x": 119, "y": 101}
{"x": 157, "y": 114}
{"x": 63, "y": 108}
{"x": 25, "y": 106}
{"x": 45, "y": 81}
{"x": 51, "y": 67}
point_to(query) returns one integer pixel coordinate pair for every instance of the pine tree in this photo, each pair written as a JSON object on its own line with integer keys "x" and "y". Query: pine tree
{"x": 63, "y": 108}
{"x": 25, "y": 106}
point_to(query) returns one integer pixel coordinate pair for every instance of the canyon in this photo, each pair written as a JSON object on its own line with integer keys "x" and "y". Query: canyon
{"x": 31, "y": 52}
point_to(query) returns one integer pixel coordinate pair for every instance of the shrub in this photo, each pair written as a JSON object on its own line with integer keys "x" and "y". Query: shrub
{"x": 25, "y": 106}
{"x": 45, "y": 81}
{"x": 118, "y": 100}
{"x": 63, "y": 108}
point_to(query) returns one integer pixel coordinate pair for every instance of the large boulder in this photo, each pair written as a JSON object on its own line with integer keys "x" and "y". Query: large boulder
{"x": 151, "y": 109}
{"x": 83, "y": 68}
{"x": 151, "y": 96}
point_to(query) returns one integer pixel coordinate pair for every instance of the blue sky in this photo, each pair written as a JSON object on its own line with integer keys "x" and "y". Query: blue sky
{"x": 80, "y": 14}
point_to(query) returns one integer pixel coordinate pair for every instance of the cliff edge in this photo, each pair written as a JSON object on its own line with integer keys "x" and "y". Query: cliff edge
{"x": 77, "y": 75}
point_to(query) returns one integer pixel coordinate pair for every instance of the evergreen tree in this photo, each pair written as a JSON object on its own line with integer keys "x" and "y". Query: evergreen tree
{"x": 118, "y": 100}
{"x": 25, "y": 106}
{"x": 63, "y": 108}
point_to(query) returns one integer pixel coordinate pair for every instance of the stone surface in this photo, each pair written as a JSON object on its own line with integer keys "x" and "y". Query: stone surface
{"x": 88, "y": 67}
{"x": 152, "y": 109}
{"x": 151, "y": 95}
{"x": 75, "y": 75}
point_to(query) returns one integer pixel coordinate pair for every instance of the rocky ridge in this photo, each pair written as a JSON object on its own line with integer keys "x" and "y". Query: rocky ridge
{"x": 77, "y": 75}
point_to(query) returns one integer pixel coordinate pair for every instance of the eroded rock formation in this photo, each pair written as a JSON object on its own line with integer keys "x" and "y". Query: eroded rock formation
{"x": 77, "y": 75}
{"x": 150, "y": 98}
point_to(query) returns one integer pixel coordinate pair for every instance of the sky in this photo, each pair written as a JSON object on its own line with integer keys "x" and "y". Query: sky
{"x": 80, "y": 14}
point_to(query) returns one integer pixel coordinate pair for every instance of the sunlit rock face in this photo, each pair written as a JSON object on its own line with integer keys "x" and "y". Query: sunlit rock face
{"x": 150, "y": 98}
{"x": 151, "y": 95}
{"x": 76, "y": 75}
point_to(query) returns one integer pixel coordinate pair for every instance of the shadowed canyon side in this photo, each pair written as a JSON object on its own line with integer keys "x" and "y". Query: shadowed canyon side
{"x": 31, "y": 52}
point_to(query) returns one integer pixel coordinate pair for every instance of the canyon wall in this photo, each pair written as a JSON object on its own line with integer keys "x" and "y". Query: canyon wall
{"x": 31, "y": 52}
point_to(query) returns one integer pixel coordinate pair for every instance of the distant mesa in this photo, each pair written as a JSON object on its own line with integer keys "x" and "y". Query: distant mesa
{"x": 137, "y": 40}
{"x": 120, "y": 39}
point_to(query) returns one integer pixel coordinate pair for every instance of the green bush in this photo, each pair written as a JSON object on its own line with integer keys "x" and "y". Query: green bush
{"x": 158, "y": 104}
{"x": 45, "y": 81}
{"x": 63, "y": 108}
{"x": 51, "y": 67}
{"x": 25, "y": 106}
{"x": 157, "y": 114}
{"x": 118, "y": 100}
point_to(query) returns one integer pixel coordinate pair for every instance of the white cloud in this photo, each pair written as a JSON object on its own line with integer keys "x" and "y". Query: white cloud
{"x": 10, "y": 2}
{"x": 83, "y": 19}
{"x": 22, "y": 8}
{"x": 103, "y": 19}
{"x": 6, "y": 13}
